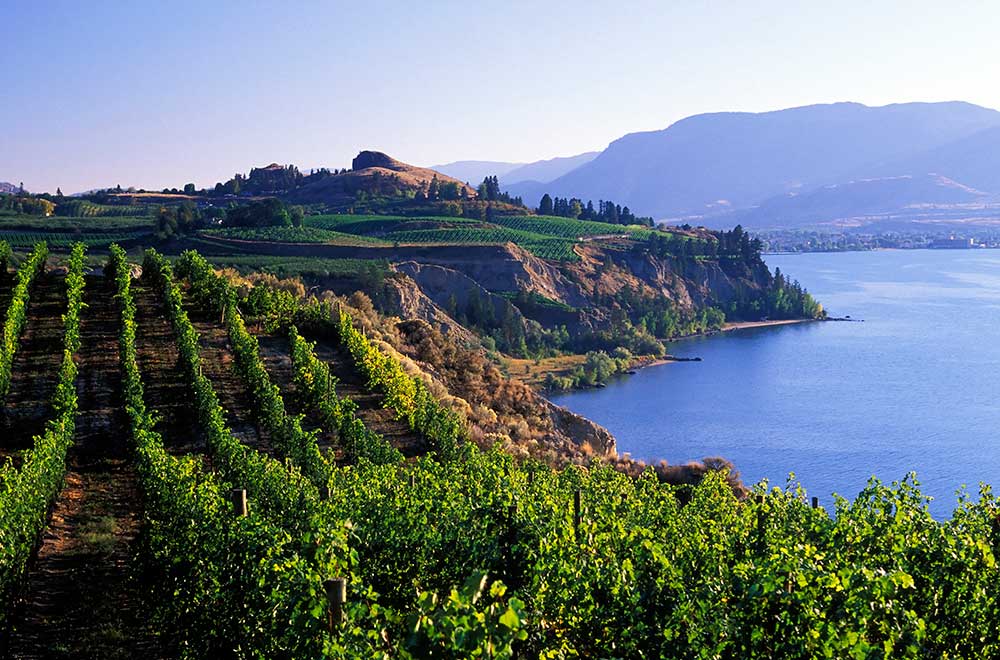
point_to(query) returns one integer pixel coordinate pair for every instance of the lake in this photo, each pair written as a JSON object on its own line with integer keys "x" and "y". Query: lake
{"x": 915, "y": 387}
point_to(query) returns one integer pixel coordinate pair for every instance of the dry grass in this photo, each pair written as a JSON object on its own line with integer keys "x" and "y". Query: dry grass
{"x": 533, "y": 372}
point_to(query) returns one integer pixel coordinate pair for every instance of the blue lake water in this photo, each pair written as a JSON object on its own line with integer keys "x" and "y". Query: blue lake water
{"x": 915, "y": 387}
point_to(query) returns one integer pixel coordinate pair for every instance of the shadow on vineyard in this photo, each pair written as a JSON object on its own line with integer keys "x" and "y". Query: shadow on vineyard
{"x": 35, "y": 368}
{"x": 80, "y": 597}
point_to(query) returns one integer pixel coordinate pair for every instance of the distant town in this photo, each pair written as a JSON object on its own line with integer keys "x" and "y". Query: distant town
{"x": 800, "y": 240}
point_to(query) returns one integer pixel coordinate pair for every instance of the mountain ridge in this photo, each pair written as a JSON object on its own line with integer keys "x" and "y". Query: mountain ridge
{"x": 716, "y": 162}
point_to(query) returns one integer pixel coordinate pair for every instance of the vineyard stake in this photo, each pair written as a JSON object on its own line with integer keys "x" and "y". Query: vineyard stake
{"x": 577, "y": 513}
{"x": 336, "y": 594}
{"x": 239, "y": 499}
{"x": 413, "y": 480}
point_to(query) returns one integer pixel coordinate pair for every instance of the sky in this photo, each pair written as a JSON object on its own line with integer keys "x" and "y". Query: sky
{"x": 160, "y": 94}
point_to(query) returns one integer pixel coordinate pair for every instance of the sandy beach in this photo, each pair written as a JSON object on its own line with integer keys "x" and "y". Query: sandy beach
{"x": 742, "y": 325}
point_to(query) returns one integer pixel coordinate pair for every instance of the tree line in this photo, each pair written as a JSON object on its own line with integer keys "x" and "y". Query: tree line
{"x": 606, "y": 211}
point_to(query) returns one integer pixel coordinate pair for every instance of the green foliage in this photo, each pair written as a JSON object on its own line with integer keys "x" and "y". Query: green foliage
{"x": 285, "y": 430}
{"x": 317, "y": 389}
{"x": 268, "y": 212}
{"x": 81, "y": 208}
{"x": 301, "y": 266}
{"x": 546, "y": 247}
{"x": 27, "y": 205}
{"x": 62, "y": 240}
{"x": 27, "y": 492}
{"x": 17, "y": 312}
{"x": 6, "y": 254}
{"x": 407, "y": 395}
{"x": 290, "y": 234}
{"x": 223, "y": 585}
{"x": 281, "y": 491}
{"x": 174, "y": 222}
{"x": 458, "y": 628}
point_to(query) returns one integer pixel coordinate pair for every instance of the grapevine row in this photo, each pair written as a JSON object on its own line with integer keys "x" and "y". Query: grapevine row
{"x": 27, "y": 492}
{"x": 407, "y": 395}
{"x": 17, "y": 312}
{"x": 280, "y": 490}
{"x": 317, "y": 387}
{"x": 226, "y": 585}
{"x": 243, "y": 587}
{"x": 285, "y": 430}
{"x": 5, "y": 258}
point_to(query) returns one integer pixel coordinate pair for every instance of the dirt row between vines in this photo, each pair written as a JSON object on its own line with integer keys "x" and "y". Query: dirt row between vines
{"x": 81, "y": 599}
{"x": 275, "y": 351}
{"x": 35, "y": 370}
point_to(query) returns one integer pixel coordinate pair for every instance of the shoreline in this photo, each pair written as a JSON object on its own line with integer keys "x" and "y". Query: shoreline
{"x": 744, "y": 325}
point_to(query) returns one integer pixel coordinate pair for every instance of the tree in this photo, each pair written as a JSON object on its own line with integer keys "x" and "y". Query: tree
{"x": 545, "y": 205}
{"x": 188, "y": 188}
{"x": 297, "y": 214}
{"x": 59, "y": 192}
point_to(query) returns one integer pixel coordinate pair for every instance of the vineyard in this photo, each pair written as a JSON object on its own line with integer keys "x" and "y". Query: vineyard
{"x": 65, "y": 240}
{"x": 547, "y": 237}
{"x": 198, "y": 469}
{"x": 292, "y": 235}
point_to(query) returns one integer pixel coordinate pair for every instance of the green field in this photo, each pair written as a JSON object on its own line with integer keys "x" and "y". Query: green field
{"x": 292, "y": 235}
{"x": 296, "y": 266}
{"x": 86, "y": 224}
{"x": 547, "y": 237}
{"x": 65, "y": 239}
{"x": 546, "y": 247}
{"x": 373, "y": 225}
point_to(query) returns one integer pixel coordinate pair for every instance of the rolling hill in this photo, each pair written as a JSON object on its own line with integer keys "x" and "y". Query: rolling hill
{"x": 372, "y": 172}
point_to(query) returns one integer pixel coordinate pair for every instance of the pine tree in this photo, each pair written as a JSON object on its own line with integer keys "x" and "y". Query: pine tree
{"x": 545, "y": 205}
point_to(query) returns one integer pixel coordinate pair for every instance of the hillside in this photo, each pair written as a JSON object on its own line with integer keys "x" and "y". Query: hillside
{"x": 225, "y": 462}
{"x": 373, "y": 173}
{"x": 8, "y": 188}
{"x": 716, "y": 162}
{"x": 856, "y": 202}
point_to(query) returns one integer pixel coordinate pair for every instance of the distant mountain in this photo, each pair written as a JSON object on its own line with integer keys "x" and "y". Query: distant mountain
{"x": 857, "y": 203}
{"x": 713, "y": 163}
{"x": 974, "y": 160}
{"x": 474, "y": 171}
{"x": 544, "y": 171}
{"x": 541, "y": 171}
{"x": 8, "y": 188}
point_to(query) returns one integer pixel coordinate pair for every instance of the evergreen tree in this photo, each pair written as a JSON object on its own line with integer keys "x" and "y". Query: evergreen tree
{"x": 545, "y": 205}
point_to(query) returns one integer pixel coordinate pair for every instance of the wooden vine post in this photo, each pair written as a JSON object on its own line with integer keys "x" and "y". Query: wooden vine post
{"x": 577, "y": 513}
{"x": 239, "y": 500}
{"x": 336, "y": 594}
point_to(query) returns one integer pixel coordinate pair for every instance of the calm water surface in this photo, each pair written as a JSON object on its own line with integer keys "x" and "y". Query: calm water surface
{"x": 916, "y": 387}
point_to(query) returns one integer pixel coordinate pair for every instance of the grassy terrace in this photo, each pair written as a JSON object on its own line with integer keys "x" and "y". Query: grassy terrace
{"x": 547, "y": 237}
{"x": 292, "y": 235}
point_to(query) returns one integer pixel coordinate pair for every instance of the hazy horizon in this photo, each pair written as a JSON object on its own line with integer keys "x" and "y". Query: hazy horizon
{"x": 157, "y": 96}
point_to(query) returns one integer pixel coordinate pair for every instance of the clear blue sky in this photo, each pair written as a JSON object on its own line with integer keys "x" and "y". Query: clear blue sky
{"x": 159, "y": 94}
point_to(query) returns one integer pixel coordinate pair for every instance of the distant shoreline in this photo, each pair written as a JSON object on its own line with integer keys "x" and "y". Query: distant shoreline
{"x": 726, "y": 327}
{"x": 743, "y": 325}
